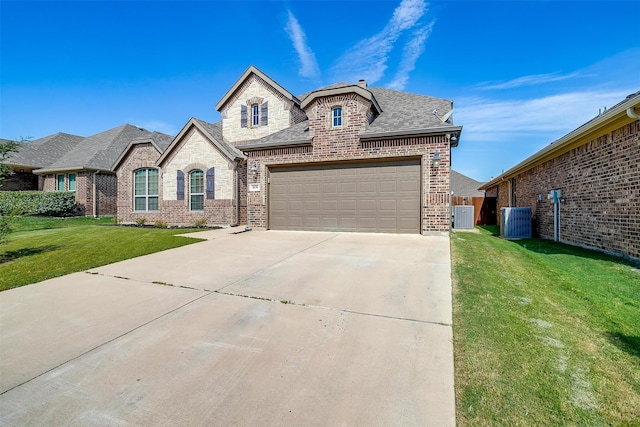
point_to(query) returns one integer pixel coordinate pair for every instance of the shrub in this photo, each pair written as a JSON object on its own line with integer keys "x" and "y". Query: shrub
{"x": 201, "y": 223}
{"x": 140, "y": 221}
{"x": 160, "y": 224}
{"x": 45, "y": 203}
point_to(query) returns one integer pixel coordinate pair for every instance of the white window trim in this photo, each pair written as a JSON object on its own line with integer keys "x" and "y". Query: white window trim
{"x": 145, "y": 196}
{"x": 75, "y": 181}
{"x": 197, "y": 194}
{"x": 333, "y": 117}
{"x": 58, "y": 182}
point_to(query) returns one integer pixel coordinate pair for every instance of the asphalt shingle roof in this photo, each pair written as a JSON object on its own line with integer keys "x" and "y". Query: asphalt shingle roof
{"x": 462, "y": 185}
{"x": 403, "y": 111}
{"x": 215, "y": 130}
{"x": 43, "y": 152}
{"x": 297, "y": 133}
{"x": 101, "y": 150}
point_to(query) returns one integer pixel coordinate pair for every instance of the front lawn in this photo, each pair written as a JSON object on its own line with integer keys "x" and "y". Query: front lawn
{"x": 544, "y": 334}
{"x": 42, "y": 248}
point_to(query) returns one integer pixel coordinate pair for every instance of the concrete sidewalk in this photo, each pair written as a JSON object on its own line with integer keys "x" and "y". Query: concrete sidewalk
{"x": 258, "y": 328}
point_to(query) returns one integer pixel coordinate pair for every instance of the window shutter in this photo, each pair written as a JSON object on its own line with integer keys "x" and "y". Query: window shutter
{"x": 180, "y": 185}
{"x": 243, "y": 116}
{"x": 211, "y": 188}
{"x": 264, "y": 114}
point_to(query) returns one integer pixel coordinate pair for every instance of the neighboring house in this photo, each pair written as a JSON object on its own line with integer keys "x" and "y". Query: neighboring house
{"x": 33, "y": 155}
{"x": 341, "y": 158}
{"x": 464, "y": 191}
{"x": 64, "y": 162}
{"x": 584, "y": 189}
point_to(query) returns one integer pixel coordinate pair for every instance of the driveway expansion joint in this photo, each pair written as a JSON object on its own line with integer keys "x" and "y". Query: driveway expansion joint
{"x": 105, "y": 343}
{"x": 341, "y": 310}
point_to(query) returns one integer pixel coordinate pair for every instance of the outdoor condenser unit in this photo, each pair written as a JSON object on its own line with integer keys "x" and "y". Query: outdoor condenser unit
{"x": 515, "y": 223}
{"x": 463, "y": 218}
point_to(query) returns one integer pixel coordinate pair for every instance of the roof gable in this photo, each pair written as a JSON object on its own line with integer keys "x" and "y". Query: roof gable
{"x": 339, "y": 89}
{"x": 159, "y": 141}
{"x": 249, "y": 71}
{"x": 213, "y": 132}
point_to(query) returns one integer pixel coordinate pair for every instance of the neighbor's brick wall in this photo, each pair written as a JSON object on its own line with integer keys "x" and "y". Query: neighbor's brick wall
{"x": 173, "y": 212}
{"x": 106, "y": 191}
{"x": 343, "y": 144}
{"x": 282, "y": 113}
{"x": 20, "y": 181}
{"x": 600, "y": 182}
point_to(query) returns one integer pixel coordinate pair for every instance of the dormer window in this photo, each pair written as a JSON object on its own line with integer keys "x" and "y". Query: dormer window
{"x": 337, "y": 117}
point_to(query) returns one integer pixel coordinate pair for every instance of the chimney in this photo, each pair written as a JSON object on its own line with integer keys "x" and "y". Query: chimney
{"x": 362, "y": 83}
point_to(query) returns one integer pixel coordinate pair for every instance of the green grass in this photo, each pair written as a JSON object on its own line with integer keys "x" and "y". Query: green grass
{"x": 544, "y": 334}
{"x": 42, "y": 248}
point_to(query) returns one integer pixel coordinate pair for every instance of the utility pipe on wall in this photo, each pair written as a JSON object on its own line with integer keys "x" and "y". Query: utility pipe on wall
{"x": 631, "y": 112}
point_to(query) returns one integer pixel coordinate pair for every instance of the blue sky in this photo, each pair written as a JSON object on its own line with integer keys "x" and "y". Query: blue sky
{"x": 521, "y": 73}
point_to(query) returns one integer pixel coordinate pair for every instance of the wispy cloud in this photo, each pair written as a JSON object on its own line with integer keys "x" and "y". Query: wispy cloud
{"x": 532, "y": 80}
{"x": 368, "y": 58}
{"x": 503, "y": 120}
{"x": 308, "y": 64}
{"x": 410, "y": 54}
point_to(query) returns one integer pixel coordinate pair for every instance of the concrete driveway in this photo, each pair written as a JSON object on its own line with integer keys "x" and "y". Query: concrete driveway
{"x": 251, "y": 329}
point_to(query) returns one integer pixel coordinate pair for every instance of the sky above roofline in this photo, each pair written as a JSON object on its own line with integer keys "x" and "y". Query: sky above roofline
{"x": 521, "y": 73}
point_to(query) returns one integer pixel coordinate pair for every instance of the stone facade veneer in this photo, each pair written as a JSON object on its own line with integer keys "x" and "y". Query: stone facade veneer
{"x": 195, "y": 152}
{"x": 282, "y": 113}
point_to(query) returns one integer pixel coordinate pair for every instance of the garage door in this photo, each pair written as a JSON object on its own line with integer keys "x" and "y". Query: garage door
{"x": 366, "y": 197}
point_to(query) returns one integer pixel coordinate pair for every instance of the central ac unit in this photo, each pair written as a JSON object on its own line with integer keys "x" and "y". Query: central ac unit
{"x": 515, "y": 223}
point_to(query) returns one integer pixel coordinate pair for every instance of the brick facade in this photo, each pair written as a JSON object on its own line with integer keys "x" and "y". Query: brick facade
{"x": 338, "y": 144}
{"x": 20, "y": 181}
{"x": 600, "y": 183}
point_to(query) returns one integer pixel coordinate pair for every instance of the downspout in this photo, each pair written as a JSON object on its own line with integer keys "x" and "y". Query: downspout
{"x": 95, "y": 201}
{"x": 631, "y": 112}
{"x": 237, "y": 184}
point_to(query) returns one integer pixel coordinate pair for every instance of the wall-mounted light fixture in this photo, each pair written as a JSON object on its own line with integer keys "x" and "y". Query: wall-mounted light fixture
{"x": 436, "y": 160}
{"x": 254, "y": 168}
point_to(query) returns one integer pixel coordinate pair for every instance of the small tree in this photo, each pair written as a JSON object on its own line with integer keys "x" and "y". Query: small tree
{"x": 6, "y": 148}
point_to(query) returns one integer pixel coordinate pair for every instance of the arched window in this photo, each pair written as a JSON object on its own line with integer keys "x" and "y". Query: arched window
{"x": 196, "y": 190}
{"x": 145, "y": 190}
